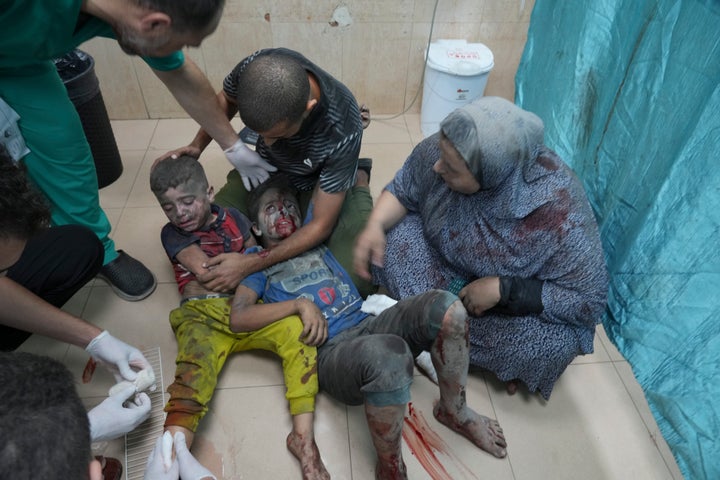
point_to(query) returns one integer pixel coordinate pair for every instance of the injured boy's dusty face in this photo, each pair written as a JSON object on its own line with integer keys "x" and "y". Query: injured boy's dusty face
{"x": 188, "y": 206}
{"x": 278, "y": 217}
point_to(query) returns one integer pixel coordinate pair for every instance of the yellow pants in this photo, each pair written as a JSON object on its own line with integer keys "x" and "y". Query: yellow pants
{"x": 204, "y": 343}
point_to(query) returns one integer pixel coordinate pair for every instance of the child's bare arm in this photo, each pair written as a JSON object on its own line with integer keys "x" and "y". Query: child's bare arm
{"x": 193, "y": 259}
{"x": 246, "y": 315}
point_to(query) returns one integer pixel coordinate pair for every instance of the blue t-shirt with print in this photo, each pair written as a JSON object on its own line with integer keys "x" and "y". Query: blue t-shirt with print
{"x": 317, "y": 276}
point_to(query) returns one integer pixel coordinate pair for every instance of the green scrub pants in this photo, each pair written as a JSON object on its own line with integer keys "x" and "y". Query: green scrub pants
{"x": 60, "y": 162}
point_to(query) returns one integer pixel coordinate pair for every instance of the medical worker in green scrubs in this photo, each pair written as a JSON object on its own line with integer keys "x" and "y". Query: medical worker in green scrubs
{"x": 59, "y": 161}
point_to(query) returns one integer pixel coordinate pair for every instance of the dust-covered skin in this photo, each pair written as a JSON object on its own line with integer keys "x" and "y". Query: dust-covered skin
{"x": 385, "y": 424}
{"x": 301, "y": 443}
{"x": 450, "y": 358}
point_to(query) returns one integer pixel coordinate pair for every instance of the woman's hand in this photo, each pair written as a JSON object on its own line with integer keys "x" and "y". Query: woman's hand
{"x": 480, "y": 295}
{"x": 369, "y": 247}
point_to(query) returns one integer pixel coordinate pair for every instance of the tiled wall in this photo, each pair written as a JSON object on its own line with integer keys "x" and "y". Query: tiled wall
{"x": 376, "y": 47}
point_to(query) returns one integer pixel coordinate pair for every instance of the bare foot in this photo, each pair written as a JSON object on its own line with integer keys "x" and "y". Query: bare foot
{"x": 364, "y": 115}
{"x": 306, "y": 451}
{"x": 394, "y": 470}
{"x": 482, "y": 431}
{"x": 511, "y": 386}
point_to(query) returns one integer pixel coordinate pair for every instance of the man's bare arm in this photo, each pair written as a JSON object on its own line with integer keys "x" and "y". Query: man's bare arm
{"x": 195, "y": 94}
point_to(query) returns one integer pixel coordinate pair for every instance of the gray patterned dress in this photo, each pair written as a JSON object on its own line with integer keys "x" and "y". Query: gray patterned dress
{"x": 530, "y": 221}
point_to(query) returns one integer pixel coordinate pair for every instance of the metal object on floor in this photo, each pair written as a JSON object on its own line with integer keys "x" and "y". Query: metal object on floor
{"x": 141, "y": 441}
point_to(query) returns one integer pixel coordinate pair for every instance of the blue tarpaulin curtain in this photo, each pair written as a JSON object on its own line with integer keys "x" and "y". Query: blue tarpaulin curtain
{"x": 629, "y": 91}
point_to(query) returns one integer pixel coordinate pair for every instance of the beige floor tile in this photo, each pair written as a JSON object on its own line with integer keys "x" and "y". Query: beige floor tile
{"x": 412, "y": 121}
{"x": 599, "y": 355}
{"x": 252, "y": 369}
{"x": 383, "y": 130}
{"x": 133, "y": 134}
{"x": 173, "y": 133}
{"x": 638, "y": 397}
{"x": 387, "y": 160}
{"x": 116, "y": 194}
{"x": 589, "y": 429}
{"x": 138, "y": 233}
{"x": 612, "y": 350}
{"x": 243, "y": 435}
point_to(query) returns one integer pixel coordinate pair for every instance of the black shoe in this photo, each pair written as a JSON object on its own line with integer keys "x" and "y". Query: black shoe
{"x": 130, "y": 279}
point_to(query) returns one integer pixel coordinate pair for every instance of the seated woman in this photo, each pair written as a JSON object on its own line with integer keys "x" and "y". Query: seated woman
{"x": 485, "y": 204}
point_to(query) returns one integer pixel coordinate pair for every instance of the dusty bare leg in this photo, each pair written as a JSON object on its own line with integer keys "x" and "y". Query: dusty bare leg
{"x": 450, "y": 357}
{"x": 301, "y": 443}
{"x": 385, "y": 425}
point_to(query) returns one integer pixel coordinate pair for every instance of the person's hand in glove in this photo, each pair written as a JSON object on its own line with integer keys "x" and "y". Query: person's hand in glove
{"x": 118, "y": 414}
{"x": 117, "y": 355}
{"x": 251, "y": 167}
{"x": 161, "y": 465}
{"x": 190, "y": 468}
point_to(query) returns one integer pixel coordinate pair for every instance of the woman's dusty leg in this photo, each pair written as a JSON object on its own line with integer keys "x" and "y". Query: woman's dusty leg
{"x": 450, "y": 357}
{"x": 385, "y": 424}
{"x": 301, "y": 443}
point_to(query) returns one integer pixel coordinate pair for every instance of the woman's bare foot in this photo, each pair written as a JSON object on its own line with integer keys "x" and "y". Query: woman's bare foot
{"x": 306, "y": 451}
{"x": 482, "y": 431}
{"x": 394, "y": 469}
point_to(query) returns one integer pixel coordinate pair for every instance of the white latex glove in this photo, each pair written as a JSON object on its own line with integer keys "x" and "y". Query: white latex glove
{"x": 117, "y": 355}
{"x": 374, "y": 305}
{"x": 112, "y": 419}
{"x": 190, "y": 468}
{"x": 249, "y": 164}
{"x": 157, "y": 466}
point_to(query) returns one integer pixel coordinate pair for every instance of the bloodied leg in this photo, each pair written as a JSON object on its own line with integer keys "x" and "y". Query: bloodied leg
{"x": 450, "y": 357}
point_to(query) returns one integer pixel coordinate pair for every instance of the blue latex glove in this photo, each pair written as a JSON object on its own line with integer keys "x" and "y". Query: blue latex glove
{"x": 249, "y": 164}
{"x": 190, "y": 468}
{"x": 159, "y": 467}
{"x": 117, "y": 355}
{"x": 117, "y": 414}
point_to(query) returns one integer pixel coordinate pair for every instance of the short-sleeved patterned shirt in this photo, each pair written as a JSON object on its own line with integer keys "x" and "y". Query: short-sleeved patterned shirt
{"x": 327, "y": 147}
{"x": 226, "y": 234}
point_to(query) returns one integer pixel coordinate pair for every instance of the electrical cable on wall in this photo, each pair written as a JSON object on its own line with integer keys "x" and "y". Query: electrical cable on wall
{"x": 427, "y": 52}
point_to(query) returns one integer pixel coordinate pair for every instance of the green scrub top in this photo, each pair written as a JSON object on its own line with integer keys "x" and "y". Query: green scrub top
{"x": 35, "y": 31}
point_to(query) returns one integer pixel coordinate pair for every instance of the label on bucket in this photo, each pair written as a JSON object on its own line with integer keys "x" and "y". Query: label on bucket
{"x": 458, "y": 57}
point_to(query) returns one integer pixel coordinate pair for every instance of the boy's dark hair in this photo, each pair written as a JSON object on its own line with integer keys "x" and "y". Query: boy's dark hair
{"x": 279, "y": 182}
{"x": 188, "y": 15}
{"x": 23, "y": 210}
{"x": 45, "y": 428}
{"x": 173, "y": 172}
{"x": 271, "y": 89}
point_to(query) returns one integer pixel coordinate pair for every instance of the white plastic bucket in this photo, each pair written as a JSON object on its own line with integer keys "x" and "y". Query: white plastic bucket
{"x": 456, "y": 74}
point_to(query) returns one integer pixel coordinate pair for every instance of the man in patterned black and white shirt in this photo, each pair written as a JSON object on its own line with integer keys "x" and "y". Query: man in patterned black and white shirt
{"x": 310, "y": 128}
